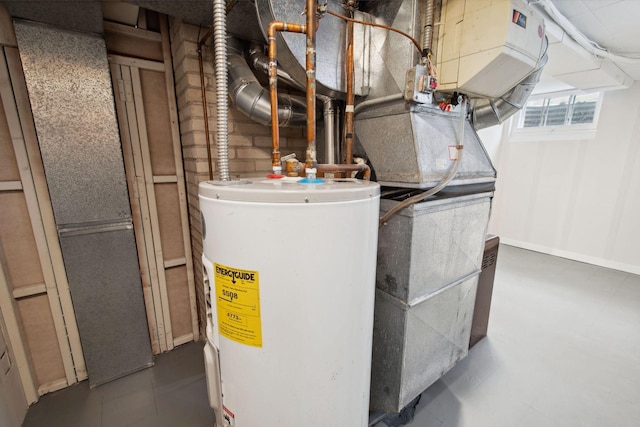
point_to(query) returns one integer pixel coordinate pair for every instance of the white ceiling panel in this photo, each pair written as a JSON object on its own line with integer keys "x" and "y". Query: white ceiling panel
{"x": 612, "y": 24}
{"x": 571, "y": 8}
{"x": 596, "y": 4}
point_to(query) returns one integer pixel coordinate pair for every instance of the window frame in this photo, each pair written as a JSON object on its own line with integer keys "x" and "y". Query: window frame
{"x": 557, "y": 132}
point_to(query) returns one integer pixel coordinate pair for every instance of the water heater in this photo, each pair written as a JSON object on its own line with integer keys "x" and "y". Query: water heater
{"x": 290, "y": 270}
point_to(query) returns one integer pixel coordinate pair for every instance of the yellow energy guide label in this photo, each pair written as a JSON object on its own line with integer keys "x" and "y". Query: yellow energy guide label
{"x": 238, "y": 304}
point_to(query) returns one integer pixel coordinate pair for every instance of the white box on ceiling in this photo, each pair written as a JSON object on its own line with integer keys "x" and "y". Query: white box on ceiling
{"x": 485, "y": 47}
{"x": 573, "y": 65}
{"x": 605, "y": 76}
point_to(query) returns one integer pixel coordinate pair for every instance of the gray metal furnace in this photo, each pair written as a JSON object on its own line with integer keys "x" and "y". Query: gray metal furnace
{"x": 429, "y": 259}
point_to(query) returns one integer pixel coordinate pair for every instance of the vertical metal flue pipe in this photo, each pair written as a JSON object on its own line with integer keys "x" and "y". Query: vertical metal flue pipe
{"x": 311, "y": 161}
{"x": 272, "y": 29}
{"x": 330, "y": 114}
{"x": 222, "y": 96}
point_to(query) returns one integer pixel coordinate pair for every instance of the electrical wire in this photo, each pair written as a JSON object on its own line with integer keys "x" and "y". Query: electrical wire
{"x": 433, "y": 71}
{"x": 373, "y": 24}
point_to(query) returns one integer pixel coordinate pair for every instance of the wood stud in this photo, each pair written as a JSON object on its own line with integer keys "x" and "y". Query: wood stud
{"x": 146, "y": 185}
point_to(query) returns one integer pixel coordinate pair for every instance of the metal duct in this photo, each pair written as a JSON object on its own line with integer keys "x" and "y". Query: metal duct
{"x": 67, "y": 75}
{"x": 292, "y": 48}
{"x": 260, "y": 61}
{"x": 387, "y": 55}
{"x": 253, "y": 100}
{"x": 420, "y": 142}
{"x": 491, "y": 112}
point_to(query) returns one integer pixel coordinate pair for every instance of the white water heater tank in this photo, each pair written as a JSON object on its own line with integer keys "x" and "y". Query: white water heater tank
{"x": 291, "y": 274}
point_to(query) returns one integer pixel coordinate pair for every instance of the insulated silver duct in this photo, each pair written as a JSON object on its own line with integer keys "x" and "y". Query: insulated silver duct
{"x": 222, "y": 99}
{"x": 491, "y": 112}
{"x": 252, "y": 99}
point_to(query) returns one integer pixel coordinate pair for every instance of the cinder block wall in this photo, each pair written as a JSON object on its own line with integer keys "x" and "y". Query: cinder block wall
{"x": 249, "y": 142}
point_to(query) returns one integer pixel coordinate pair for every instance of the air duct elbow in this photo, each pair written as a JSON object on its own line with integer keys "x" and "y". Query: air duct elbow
{"x": 494, "y": 111}
{"x": 491, "y": 112}
{"x": 252, "y": 99}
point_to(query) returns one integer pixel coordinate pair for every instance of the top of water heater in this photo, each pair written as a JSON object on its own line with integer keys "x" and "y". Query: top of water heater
{"x": 289, "y": 190}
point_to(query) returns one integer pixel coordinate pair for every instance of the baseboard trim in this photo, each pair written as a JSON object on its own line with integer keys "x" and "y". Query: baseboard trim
{"x": 634, "y": 269}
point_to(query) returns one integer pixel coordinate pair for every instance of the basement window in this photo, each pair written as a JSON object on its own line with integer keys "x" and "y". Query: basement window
{"x": 567, "y": 115}
{"x": 565, "y": 110}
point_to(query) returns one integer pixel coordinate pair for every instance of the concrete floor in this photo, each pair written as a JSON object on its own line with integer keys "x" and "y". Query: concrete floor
{"x": 563, "y": 350}
{"x": 173, "y": 393}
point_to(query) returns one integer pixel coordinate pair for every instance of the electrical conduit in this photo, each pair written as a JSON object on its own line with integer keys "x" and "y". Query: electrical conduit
{"x": 222, "y": 95}
{"x": 427, "y": 31}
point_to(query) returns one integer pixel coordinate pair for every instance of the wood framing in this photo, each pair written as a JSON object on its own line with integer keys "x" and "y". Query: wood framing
{"x": 46, "y": 210}
{"x": 182, "y": 190}
{"x": 147, "y": 114}
{"x": 42, "y": 303}
{"x": 139, "y": 206}
{"x": 14, "y": 332}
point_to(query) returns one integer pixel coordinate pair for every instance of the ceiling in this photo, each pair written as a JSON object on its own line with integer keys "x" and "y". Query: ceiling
{"x": 612, "y": 24}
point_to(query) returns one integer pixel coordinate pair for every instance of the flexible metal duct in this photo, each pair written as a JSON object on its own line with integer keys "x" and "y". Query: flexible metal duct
{"x": 252, "y": 99}
{"x": 491, "y": 112}
{"x": 428, "y": 13}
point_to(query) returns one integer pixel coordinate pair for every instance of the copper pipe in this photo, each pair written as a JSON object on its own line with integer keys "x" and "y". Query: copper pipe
{"x": 230, "y": 5}
{"x": 204, "y": 104}
{"x": 372, "y": 24}
{"x": 292, "y": 168}
{"x": 272, "y": 29}
{"x": 346, "y": 168}
{"x": 206, "y": 36}
{"x": 311, "y": 161}
{"x": 310, "y": 30}
{"x": 349, "y": 109}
